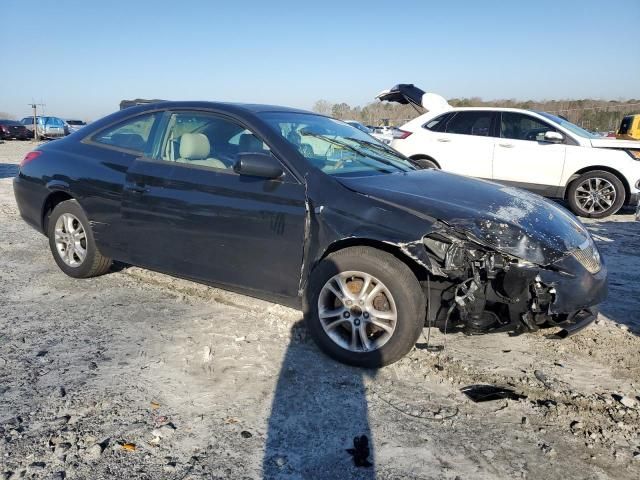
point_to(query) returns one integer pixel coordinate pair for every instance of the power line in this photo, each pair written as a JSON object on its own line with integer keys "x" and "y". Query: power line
{"x": 35, "y": 106}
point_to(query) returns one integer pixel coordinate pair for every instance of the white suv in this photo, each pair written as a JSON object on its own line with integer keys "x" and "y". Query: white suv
{"x": 534, "y": 150}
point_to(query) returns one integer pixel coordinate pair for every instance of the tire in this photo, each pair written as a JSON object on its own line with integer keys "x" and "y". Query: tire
{"x": 426, "y": 163}
{"x": 387, "y": 274}
{"x": 608, "y": 186}
{"x": 92, "y": 263}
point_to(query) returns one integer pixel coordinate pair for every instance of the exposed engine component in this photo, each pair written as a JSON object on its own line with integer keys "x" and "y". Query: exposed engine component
{"x": 487, "y": 289}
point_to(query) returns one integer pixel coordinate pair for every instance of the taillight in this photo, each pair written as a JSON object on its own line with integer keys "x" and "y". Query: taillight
{"x": 30, "y": 156}
{"x": 400, "y": 134}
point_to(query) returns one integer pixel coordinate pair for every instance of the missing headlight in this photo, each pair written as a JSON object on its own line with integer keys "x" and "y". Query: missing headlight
{"x": 452, "y": 253}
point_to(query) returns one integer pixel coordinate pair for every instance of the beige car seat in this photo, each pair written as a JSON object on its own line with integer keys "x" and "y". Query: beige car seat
{"x": 195, "y": 150}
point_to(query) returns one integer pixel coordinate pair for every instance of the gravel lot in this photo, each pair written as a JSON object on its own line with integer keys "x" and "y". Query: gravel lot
{"x": 139, "y": 375}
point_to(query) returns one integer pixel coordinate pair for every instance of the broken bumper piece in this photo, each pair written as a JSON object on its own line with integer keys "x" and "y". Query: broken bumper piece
{"x": 576, "y": 322}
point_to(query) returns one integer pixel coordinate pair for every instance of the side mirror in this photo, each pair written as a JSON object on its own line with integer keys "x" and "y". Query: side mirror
{"x": 257, "y": 164}
{"x": 553, "y": 137}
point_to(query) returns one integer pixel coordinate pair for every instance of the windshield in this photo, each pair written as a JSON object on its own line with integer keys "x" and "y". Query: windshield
{"x": 569, "y": 126}
{"x": 335, "y": 147}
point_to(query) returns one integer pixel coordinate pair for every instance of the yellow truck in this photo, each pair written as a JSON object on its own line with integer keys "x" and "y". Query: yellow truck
{"x": 629, "y": 128}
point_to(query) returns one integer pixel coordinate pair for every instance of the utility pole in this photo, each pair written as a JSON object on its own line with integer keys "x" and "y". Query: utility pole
{"x": 34, "y": 106}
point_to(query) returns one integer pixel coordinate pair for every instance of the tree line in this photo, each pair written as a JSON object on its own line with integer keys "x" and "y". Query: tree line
{"x": 595, "y": 115}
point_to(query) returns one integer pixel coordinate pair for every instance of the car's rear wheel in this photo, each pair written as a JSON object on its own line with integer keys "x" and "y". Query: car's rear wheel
{"x": 426, "y": 163}
{"x": 72, "y": 243}
{"x": 596, "y": 194}
{"x": 364, "y": 307}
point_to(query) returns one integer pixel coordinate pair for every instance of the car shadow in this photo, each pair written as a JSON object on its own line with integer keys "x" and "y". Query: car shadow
{"x": 617, "y": 240}
{"x": 318, "y": 425}
{"x": 319, "y": 408}
{"x": 8, "y": 170}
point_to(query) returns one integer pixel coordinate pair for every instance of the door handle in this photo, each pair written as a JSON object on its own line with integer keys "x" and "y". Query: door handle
{"x": 137, "y": 188}
{"x": 506, "y": 145}
{"x": 444, "y": 139}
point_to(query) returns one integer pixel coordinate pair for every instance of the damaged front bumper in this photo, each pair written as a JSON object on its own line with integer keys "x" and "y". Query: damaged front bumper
{"x": 576, "y": 322}
{"x": 481, "y": 289}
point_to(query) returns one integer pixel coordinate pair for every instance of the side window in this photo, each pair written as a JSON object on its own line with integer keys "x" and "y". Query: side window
{"x": 132, "y": 134}
{"x": 197, "y": 138}
{"x": 470, "y": 123}
{"x": 625, "y": 125}
{"x": 438, "y": 123}
{"x": 519, "y": 126}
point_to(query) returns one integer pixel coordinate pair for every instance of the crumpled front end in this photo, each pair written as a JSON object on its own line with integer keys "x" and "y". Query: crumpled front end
{"x": 479, "y": 288}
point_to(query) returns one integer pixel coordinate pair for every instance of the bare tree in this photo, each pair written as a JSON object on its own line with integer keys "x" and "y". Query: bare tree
{"x": 323, "y": 107}
{"x": 599, "y": 115}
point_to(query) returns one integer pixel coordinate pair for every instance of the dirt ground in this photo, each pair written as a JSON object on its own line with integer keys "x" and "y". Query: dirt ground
{"x": 138, "y": 375}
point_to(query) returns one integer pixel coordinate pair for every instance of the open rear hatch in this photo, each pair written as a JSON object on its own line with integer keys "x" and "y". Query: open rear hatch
{"x": 409, "y": 94}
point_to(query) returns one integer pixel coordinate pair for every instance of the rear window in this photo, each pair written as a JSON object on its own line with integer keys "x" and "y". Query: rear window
{"x": 470, "y": 123}
{"x": 439, "y": 123}
{"x": 75, "y": 122}
{"x": 131, "y": 134}
{"x": 11, "y": 123}
{"x": 625, "y": 125}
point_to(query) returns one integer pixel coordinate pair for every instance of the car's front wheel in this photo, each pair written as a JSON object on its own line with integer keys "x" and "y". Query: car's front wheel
{"x": 596, "y": 194}
{"x": 72, "y": 243}
{"x": 364, "y": 307}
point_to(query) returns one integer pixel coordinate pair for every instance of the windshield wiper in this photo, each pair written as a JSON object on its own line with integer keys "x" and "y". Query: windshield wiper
{"x": 380, "y": 148}
{"x": 353, "y": 149}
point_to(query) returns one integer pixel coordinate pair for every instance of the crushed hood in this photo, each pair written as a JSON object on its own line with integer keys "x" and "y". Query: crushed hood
{"x": 507, "y": 219}
{"x": 615, "y": 143}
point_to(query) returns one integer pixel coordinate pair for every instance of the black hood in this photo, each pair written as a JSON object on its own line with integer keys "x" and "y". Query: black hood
{"x": 507, "y": 219}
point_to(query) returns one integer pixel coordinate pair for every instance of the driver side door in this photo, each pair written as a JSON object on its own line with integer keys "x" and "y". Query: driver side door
{"x": 219, "y": 226}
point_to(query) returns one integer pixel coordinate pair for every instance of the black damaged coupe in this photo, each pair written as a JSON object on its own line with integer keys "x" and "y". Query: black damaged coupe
{"x": 308, "y": 211}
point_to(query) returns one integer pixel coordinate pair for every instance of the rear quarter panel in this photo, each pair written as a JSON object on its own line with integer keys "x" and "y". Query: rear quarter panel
{"x": 93, "y": 176}
{"x": 421, "y": 141}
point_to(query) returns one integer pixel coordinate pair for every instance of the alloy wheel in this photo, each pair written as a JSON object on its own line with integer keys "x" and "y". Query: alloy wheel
{"x": 70, "y": 240}
{"x": 595, "y": 195}
{"x": 357, "y": 311}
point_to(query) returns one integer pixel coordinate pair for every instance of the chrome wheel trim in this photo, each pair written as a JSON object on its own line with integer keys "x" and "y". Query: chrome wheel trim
{"x": 357, "y": 311}
{"x": 70, "y": 239}
{"x": 595, "y": 195}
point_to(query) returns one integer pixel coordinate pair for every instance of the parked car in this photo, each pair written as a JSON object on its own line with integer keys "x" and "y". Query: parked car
{"x": 48, "y": 127}
{"x": 11, "y": 129}
{"x": 307, "y": 211}
{"x": 75, "y": 125}
{"x": 537, "y": 151}
{"x": 359, "y": 126}
{"x": 629, "y": 128}
{"x": 383, "y": 133}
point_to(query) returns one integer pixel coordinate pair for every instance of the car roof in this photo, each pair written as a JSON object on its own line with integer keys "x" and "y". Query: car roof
{"x": 493, "y": 109}
{"x": 229, "y": 106}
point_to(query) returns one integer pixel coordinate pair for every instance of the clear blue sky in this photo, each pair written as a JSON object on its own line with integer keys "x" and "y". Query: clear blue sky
{"x": 83, "y": 56}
